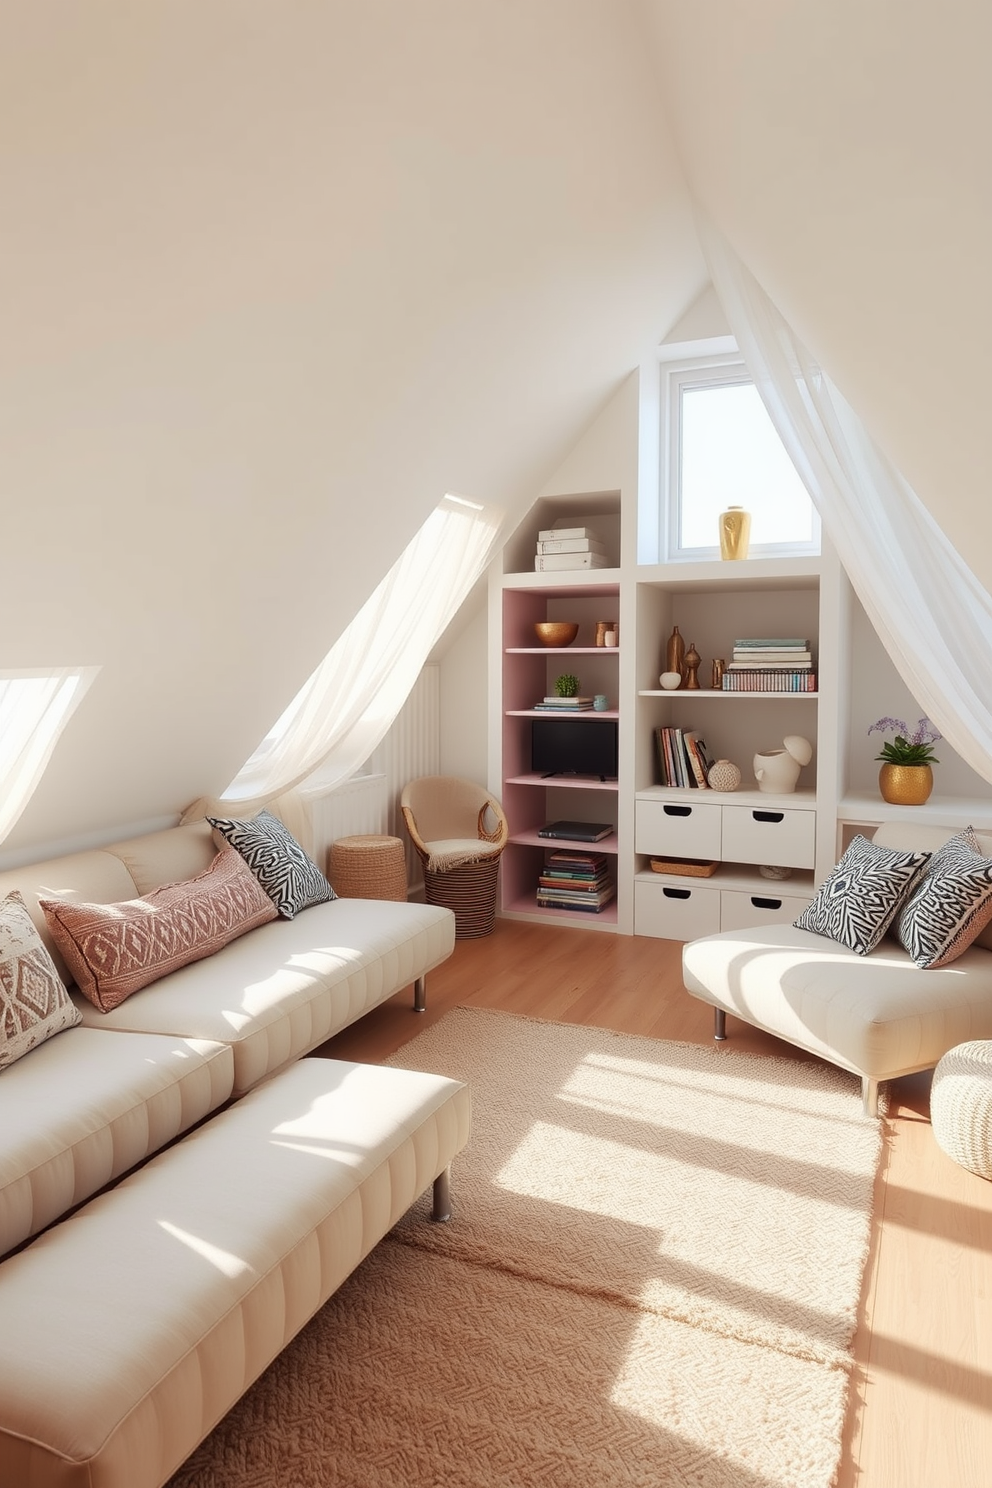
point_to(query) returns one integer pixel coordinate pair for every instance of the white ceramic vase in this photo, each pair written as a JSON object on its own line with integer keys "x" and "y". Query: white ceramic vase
{"x": 778, "y": 770}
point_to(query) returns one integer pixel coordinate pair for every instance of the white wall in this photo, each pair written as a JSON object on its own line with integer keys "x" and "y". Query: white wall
{"x": 877, "y": 691}
{"x": 843, "y": 150}
{"x": 275, "y": 278}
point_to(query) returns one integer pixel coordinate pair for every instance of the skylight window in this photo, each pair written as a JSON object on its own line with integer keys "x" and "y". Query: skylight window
{"x": 35, "y": 707}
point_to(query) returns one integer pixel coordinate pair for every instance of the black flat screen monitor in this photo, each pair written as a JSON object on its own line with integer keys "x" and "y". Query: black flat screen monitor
{"x": 574, "y": 746}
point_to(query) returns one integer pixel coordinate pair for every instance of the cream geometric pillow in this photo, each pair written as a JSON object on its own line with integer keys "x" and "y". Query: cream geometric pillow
{"x": 34, "y": 1004}
{"x": 950, "y": 906}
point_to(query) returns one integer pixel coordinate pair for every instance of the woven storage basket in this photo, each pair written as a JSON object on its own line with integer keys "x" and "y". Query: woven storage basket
{"x": 368, "y": 867}
{"x": 961, "y": 1105}
{"x": 470, "y": 892}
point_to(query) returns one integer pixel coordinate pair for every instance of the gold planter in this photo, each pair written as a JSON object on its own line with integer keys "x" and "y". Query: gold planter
{"x": 905, "y": 785}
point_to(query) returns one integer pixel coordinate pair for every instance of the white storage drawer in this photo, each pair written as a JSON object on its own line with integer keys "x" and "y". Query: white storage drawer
{"x": 677, "y": 829}
{"x": 675, "y": 911}
{"x": 742, "y": 911}
{"x": 767, "y": 834}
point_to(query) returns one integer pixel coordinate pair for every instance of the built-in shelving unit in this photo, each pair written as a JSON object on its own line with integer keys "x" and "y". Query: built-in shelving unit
{"x": 527, "y": 671}
{"x": 743, "y": 831}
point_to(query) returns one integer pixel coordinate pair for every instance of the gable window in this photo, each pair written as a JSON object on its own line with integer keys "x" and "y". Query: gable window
{"x": 722, "y": 450}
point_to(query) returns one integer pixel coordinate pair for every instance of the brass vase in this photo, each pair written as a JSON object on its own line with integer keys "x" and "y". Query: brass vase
{"x": 735, "y": 532}
{"x": 905, "y": 785}
{"x": 675, "y": 653}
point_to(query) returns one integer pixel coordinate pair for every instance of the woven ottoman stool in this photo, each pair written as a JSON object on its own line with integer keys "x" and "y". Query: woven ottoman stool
{"x": 961, "y": 1105}
{"x": 368, "y": 867}
{"x": 132, "y": 1327}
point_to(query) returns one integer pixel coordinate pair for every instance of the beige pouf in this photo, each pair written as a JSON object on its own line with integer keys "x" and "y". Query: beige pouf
{"x": 368, "y": 867}
{"x": 961, "y": 1105}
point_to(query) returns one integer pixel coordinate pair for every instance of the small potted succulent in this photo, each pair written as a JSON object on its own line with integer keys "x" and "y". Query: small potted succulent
{"x": 906, "y": 778}
{"x": 567, "y": 685}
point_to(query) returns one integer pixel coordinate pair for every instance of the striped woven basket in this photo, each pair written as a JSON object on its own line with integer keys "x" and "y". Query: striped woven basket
{"x": 470, "y": 892}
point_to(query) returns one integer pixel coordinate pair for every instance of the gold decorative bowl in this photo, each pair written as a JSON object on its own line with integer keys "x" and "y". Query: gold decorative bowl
{"x": 556, "y": 632}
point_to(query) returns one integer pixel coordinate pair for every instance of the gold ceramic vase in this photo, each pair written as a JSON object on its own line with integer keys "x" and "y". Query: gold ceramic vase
{"x": 905, "y": 785}
{"x": 735, "y": 532}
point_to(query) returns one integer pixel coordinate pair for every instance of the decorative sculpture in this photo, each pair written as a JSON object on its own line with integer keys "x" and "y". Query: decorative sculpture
{"x": 778, "y": 770}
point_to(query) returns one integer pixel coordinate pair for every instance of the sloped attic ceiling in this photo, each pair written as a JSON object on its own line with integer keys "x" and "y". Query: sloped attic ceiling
{"x": 845, "y": 149}
{"x": 276, "y": 276}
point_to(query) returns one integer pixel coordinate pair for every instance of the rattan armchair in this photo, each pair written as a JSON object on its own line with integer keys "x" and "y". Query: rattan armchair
{"x": 458, "y": 831}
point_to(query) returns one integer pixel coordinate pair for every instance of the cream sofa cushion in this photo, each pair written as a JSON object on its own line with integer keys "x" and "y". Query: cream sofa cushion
{"x": 132, "y": 1328}
{"x": 267, "y": 994}
{"x": 86, "y": 1106}
{"x": 99, "y": 876}
{"x": 878, "y": 1015}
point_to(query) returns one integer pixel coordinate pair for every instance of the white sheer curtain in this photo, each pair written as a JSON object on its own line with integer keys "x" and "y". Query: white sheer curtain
{"x": 933, "y": 616}
{"x": 347, "y": 706}
{"x": 34, "y": 709}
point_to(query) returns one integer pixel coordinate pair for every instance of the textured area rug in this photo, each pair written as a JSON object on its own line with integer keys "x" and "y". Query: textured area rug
{"x": 651, "y": 1278}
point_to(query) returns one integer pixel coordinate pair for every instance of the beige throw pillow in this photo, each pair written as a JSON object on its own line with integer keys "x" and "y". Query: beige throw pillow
{"x": 34, "y": 1004}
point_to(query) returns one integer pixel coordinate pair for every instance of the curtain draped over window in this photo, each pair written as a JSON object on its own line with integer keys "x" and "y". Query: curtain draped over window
{"x": 349, "y": 703}
{"x": 931, "y": 613}
{"x": 34, "y": 709}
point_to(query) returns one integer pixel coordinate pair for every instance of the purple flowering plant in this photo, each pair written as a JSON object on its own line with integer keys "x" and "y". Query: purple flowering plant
{"x": 907, "y": 748}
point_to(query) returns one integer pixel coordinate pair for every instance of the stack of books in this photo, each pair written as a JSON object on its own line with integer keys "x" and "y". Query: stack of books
{"x": 770, "y": 664}
{"x": 683, "y": 759}
{"x": 569, "y": 547}
{"x": 563, "y": 704}
{"x": 575, "y": 880}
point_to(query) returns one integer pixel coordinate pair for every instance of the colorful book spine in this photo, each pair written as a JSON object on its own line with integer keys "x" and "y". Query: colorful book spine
{"x": 769, "y": 680}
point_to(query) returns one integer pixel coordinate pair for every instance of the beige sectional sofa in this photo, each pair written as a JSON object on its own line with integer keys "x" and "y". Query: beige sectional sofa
{"x": 217, "y": 1039}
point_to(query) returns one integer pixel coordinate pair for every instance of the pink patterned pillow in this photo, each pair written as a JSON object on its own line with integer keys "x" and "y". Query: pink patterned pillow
{"x": 113, "y": 950}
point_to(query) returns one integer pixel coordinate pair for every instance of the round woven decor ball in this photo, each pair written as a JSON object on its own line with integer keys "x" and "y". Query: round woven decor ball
{"x": 724, "y": 776}
{"x": 961, "y": 1105}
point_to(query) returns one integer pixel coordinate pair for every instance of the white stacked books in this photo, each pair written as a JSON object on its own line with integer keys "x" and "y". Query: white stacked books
{"x": 569, "y": 547}
{"x": 562, "y": 534}
{"x": 771, "y": 653}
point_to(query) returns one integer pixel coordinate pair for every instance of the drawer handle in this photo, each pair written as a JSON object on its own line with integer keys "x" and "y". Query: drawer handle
{"x": 671, "y": 893}
{"x": 768, "y": 816}
{"x": 760, "y": 902}
{"x": 677, "y": 810}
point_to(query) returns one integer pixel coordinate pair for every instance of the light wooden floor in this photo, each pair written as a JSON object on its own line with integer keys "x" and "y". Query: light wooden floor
{"x": 920, "y": 1412}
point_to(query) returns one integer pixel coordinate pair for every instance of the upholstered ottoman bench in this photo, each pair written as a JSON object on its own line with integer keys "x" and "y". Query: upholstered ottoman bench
{"x": 132, "y": 1327}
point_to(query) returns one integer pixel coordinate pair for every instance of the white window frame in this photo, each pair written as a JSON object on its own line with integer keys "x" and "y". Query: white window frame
{"x": 719, "y": 369}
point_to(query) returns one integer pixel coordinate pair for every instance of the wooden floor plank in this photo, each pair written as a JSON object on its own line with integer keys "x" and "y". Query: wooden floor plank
{"x": 920, "y": 1411}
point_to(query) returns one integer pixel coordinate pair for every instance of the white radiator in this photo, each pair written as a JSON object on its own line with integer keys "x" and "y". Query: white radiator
{"x": 355, "y": 808}
{"x": 370, "y": 803}
{"x": 411, "y": 748}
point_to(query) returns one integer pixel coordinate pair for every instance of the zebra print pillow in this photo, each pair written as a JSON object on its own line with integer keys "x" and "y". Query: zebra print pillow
{"x": 859, "y": 900}
{"x": 291, "y": 880}
{"x": 951, "y": 905}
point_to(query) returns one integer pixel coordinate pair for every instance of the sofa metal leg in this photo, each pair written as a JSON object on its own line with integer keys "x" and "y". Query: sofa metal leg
{"x": 869, "y": 1094}
{"x": 441, "y": 1211}
{"x": 420, "y": 995}
{"x": 719, "y": 1024}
